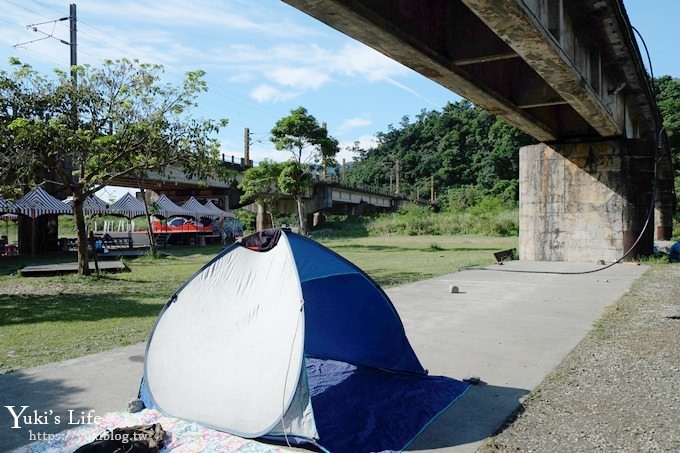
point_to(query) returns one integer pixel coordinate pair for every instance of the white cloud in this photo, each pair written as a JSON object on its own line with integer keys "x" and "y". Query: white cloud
{"x": 354, "y": 123}
{"x": 308, "y": 67}
{"x": 364, "y": 141}
{"x": 267, "y": 93}
{"x": 356, "y": 59}
{"x": 300, "y": 78}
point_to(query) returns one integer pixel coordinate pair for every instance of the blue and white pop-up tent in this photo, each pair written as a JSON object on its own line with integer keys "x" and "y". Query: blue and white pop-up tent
{"x": 281, "y": 338}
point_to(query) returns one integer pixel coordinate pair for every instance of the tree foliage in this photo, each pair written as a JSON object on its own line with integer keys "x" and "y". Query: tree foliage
{"x": 668, "y": 99}
{"x": 460, "y": 146}
{"x": 118, "y": 120}
{"x": 260, "y": 184}
{"x": 300, "y": 134}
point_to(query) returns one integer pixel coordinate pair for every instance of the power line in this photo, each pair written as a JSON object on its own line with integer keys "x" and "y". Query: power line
{"x": 35, "y": 29}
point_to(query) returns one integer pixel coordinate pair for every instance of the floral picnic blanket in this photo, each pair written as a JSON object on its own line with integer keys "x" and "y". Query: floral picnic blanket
{"x": 181, "y": 437}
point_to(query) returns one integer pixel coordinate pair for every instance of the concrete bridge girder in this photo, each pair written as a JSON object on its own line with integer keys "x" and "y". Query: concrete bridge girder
{"x": 555, "y": 69}
{"x": 566, "y": 72}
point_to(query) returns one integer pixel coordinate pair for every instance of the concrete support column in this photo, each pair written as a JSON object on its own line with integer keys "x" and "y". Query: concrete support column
{"x": 665, "y": 206}
{"x": 262, "y": 218}
{"x": 586, "y": 201}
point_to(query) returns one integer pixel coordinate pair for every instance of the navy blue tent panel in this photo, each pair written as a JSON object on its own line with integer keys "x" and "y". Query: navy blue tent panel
{"x": 361, "y": 409}
{"x": 347, "y": 316}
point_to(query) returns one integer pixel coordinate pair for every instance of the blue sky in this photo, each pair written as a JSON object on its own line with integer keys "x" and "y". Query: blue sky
{"x": 264, "y": 58}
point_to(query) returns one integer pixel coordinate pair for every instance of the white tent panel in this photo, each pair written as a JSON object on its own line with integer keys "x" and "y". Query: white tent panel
{"x": 128, "y": 206}
{"x": 38, "y": 202}
{"x": 197, "y": 209}
{"x": 241, "y": 322}
{"x": 168, "y": 208}
{"x": 219, "y": 212}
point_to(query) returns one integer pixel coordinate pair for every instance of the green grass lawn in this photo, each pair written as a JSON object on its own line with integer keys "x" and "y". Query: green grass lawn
{"x": 47, "y": 319}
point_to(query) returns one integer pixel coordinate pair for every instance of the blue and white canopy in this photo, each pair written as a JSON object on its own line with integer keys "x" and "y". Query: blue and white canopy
{"x": 165, "y": 207}
{"x": 38, "y": 202}
{"x": 128, "y": 206}
{"x": 198, "y": 210}
{"x": 218, "y": 212}
{"x": 7, "y": 206}
{"x": 93, "y": 206}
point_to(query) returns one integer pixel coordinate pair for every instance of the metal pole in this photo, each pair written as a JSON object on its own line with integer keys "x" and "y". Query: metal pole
{"x": 74, "y": 41}
{"x": 246, "y": 147}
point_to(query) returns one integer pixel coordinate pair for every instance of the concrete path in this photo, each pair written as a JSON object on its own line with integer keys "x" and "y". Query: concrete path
{"x": 509, "y": 328}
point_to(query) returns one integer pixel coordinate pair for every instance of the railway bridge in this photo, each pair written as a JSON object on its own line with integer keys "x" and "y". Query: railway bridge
{"x": 599, "y": 186}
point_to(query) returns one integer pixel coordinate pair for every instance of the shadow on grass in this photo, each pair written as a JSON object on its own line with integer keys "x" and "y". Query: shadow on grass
{"x": 372, "y": 248}
{"x": 386, "y": 278}
{"x": 31, "y": 309}
{"x": 186, "y": 250}
{"x": 11, "y": 264}
{"x": 424, "y": 248}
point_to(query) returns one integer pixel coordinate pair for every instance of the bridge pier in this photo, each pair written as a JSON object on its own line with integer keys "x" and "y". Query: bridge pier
{"x": 586, "y": 201}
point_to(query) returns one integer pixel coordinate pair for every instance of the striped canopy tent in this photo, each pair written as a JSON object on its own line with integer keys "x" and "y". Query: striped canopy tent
{"x": 195, "y": 206}
{"x": 165, "y": 207}
{"x": 7, "y": 206}
{"x": 38, "y": 202}
{"x": 128, "y": 206}
{"x": 93, "y": 206}
{"x": 219, "y": 212}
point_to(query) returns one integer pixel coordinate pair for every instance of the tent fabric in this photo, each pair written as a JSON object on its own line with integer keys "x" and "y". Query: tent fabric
{"x": 219, "y": 212}
{"x": 293, "y": 343}
{"x": 93, "y": 205}
{"x": 7, "y": 206}
{"x": 165, "y": 207}
{"x": 197, "y": 209}
{"x": 38, "y": 202}
{"x": 379, "y": 410}
{"x": 263, "y": 324}
{"x": 128, "y": 206}
{"x": 262, "y": 241}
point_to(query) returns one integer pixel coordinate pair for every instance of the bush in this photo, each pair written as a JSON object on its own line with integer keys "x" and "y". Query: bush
{"x": 500, "y": 223}
{"x": 462, "y": 198}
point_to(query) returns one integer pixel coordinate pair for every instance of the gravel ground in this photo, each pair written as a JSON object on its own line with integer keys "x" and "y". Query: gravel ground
{"x": 619, "y": 389}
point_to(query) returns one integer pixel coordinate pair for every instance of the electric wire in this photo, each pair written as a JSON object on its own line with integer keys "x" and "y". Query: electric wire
{"x": 249, "y": 110}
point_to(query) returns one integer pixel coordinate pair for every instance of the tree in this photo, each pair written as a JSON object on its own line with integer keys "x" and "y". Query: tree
{"x": 300, "y": 133}
{"x": 668, "y": 99}
{"x": 261, "y": 185}
{"x": 118, "y": 120}
{"x": 460, "y": 146}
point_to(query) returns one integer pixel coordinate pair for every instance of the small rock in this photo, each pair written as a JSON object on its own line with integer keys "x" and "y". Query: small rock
{"x": 453, "y": 289}
{"x": 472, "y": 380}
{"x": 135, "y": 405}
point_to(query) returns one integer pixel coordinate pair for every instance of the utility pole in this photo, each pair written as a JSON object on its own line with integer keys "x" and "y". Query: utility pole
{"x": 396, "y": 191}
{"x": 246, "y": 147}
{"x": 74, "y": 40}
{"x": 324, "y": 126}
{"x": 431, "y": 188}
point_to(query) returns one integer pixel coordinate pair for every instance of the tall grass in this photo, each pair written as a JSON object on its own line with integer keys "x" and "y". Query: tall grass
{"x": 503, "y": 222}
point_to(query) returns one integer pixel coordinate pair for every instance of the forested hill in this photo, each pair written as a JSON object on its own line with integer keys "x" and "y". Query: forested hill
{"x": 461, "y": 145}
{"x": 466, "y": 146}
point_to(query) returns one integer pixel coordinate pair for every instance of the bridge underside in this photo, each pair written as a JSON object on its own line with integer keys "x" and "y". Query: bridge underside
{"x": 567, "y": 72}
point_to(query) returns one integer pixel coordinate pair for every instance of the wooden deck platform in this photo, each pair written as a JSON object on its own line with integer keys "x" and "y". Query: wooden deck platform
{"x": 70, "y": 268}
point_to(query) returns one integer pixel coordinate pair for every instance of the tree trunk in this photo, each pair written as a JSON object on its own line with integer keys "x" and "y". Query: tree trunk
{"x": 149, "y": 227}
{"x": 83, "y": 259}
{"x": 303, "y": 230}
